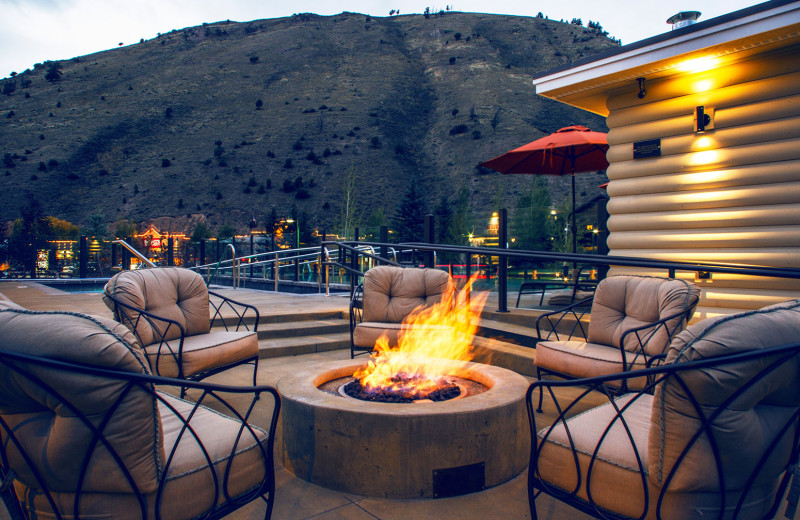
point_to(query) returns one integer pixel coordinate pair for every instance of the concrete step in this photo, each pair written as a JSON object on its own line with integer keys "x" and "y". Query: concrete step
{"x": 266, "y": 319}
{"x": 508, "y": 332}
{"x": 514, "y": 357}
{"x": 292, "y": 329}
{"x": 295, "y": 346}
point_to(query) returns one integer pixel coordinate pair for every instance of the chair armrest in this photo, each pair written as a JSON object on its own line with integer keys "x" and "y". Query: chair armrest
{"x": 241, "y": 312}
{"x": 553, "y": 319}
{"x": 356, "y": 308}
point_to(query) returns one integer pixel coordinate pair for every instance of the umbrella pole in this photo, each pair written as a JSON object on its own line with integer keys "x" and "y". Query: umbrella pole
{"x": 574, "y": 226}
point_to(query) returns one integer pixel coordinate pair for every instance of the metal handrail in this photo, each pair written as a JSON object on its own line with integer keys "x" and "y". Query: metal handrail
{"x": 134, "y": 252}
{"x": 546, "y": 256}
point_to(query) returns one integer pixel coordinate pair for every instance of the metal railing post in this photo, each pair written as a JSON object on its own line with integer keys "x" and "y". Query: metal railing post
{"x": 170, "y": 251}
{"x": 276, "y": 271}
{"x": 202, "y": 251}
{"x": 428, "y": 238}
{"x": 384, "y": 238}
{"x": 502, "y": 268}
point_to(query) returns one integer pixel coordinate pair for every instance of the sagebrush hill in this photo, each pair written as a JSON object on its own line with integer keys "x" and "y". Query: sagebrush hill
{"x": 229, "y": 120}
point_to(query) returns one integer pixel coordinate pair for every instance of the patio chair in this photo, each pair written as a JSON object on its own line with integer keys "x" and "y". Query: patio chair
{"x": 714, "y": 434}
{"x": 386, "y": 297}
{"x": 632, "y": 320}
{"x": 168, "y": 310}
{"x": 88, "y": 432}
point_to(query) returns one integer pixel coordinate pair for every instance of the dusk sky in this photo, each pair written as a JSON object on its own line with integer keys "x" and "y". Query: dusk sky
{"x": 34, "y": 31}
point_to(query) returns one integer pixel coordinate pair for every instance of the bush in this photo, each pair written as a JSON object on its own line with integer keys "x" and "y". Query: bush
{"x": 302, "y": 194}
{"x": 288, "y": 164}
{"x": 165, "y": 163}
{"x": 8, "y": 161}
{"x": 452, "y": 60}
{"x": 476, "y": 134}
{"x": 297, "y": 145}
{"x": 458, "y": 129}
{"x": 253, "y": 59}
{"x": 457, "y": 36}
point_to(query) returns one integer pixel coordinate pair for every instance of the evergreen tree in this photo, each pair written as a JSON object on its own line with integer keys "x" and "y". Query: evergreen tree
{"x": 28, "y": 235}
{"x": 410, "y": 219}
{"x": 96, "y": 227}
{"x": 444, "y": 219}
{"x": 201, "y": 232}
{"x": 461, "y": 224}
{"x": 530, "y": 223}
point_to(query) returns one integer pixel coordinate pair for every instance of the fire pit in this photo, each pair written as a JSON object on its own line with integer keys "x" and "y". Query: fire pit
{"x": 419, "y": 421}
{"x": 404, "y": 450}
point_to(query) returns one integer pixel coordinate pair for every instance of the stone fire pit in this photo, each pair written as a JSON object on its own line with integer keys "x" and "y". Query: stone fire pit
{"x": 413, "y": 450}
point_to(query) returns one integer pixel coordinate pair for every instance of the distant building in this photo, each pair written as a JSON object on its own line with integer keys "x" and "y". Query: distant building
{"x": 704, "y": 135}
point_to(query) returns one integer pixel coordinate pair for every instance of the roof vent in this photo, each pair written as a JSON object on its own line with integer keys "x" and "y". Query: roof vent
{"x": 683, "y": 19}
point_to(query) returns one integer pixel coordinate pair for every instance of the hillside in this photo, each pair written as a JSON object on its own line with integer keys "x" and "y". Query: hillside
{"x": 216, "y": 120}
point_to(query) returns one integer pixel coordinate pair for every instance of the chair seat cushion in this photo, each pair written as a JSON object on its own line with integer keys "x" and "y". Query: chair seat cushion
{"x": 617, "y": 463}
{"x": 580, "y": 359}
{"x": 189, "y": 489}
{"x": 366, "y": 334}
{"x": 202, "y": 352}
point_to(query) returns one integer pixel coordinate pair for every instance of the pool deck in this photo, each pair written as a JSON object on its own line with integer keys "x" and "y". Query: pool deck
{"x": 297, "y": 499}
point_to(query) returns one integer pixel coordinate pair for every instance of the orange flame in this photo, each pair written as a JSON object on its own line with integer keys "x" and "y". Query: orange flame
{"x": 429, "y": 340}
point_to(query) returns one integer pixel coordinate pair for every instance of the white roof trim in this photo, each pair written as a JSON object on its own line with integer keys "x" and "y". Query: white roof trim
{"x": 736, "y": 29}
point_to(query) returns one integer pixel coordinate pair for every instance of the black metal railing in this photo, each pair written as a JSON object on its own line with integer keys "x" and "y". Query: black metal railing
{"x": 351, "y": 255}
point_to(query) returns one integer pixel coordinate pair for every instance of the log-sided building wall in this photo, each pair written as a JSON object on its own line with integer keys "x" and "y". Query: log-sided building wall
{"x": 727, "y": 195}
{"x": 731, "y": 194}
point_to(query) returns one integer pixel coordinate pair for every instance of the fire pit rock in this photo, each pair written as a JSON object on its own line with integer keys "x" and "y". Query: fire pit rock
{"x": 409, "y": 450}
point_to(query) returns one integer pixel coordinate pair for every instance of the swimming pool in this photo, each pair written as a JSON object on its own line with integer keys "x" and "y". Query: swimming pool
{"x": 76, "y": 286}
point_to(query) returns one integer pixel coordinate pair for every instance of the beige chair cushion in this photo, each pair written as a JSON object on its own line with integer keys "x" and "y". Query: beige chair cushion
{"x": 625, "y": 302}
{"x": 616, "y": 466}
{"x": 745, "y": 428}
{"x": 202, "y": 352}
{"x": 391, "y": 293}
{"x": 189, "y": 483}
{"x": 50, "y": 429}
{"x": 169, "y": 292}
{"x": 579, "y": 359}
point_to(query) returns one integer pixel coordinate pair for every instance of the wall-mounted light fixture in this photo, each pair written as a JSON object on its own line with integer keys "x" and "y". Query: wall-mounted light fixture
{"x": 642, "y": 90}
{"x": 702, "y": 276}
{"x": 703, "y": 119}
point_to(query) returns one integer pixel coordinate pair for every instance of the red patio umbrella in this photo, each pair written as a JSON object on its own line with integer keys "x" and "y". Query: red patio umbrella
{"x": 571, "y": 150}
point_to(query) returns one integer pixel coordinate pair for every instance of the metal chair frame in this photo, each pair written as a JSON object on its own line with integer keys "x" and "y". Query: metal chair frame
{"x": 134, "y": 315}
{"x": 356, "y": 317}
{"x": 21, "y": 365}
{"x": 657, "y": 375}
{"x": 578, "y": 311}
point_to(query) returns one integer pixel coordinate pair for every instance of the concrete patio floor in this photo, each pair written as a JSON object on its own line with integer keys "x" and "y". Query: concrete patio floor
{"x": 297, "y": 499}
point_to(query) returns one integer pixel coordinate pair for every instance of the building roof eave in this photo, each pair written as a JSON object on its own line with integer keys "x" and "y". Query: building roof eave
{"x": 585, "y": 84}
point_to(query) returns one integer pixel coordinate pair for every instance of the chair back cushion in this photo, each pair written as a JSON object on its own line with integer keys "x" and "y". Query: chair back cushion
{"x": 391, "y": 293}
{"x": 44, "y": 410}
{"x": 625, "y": 302}
{"x": 169, "y": 292}
{"x": 745, "y": 428}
